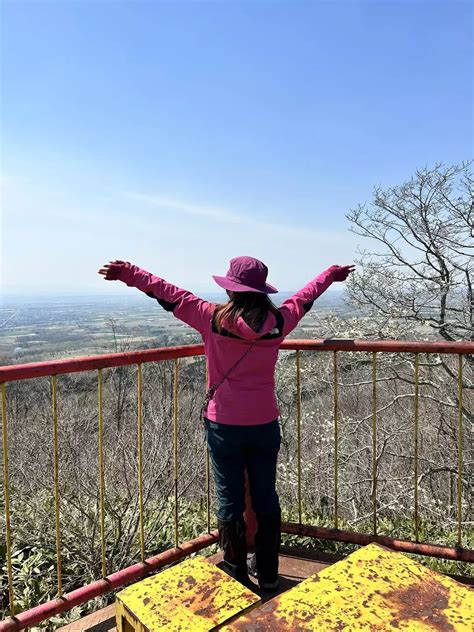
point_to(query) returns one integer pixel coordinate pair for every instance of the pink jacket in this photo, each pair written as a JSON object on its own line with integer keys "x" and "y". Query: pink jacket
{"x": 247, "y": 397}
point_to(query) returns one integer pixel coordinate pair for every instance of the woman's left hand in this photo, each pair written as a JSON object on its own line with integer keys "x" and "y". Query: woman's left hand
{"x": 112, "y": 269}
{"x": 340, "y": 273}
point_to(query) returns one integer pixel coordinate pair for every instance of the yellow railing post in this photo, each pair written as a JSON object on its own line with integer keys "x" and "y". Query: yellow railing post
{"x": 140, "y": 458}
{"x": 175, "y": 449}
{"x": 208, "y": 468}
{"x": 6, "y": 492}
{"x": 101, "y": 471}
{"x": 374, "y": 441}
{"x": 298, "y": 433}
{"x": 336, "y": 439}
{"x": 460, "y": 398}
{"x": 416, "y": 436}
{"x": 54, "y": 395}
{"x": 208, "y": 490}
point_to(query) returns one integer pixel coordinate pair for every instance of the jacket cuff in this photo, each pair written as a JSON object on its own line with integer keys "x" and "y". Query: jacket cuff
{"x": 330, "y": 272}
{"x": 126, "y": 272}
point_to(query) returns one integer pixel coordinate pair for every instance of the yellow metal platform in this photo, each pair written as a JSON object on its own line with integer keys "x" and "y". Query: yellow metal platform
{"x": 371, "y": 589}
{"x": 194, "y": 596}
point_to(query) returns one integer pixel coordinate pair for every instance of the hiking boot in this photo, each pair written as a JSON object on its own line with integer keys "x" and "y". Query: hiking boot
{"x": 252, "y": 570}
{"x": 267, "y": 547}
{"x": 233, "y": 542}
{"x": 270, "y": 586}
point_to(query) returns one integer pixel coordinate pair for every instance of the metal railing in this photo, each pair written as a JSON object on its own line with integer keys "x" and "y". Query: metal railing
{"x": 55, "y": 368}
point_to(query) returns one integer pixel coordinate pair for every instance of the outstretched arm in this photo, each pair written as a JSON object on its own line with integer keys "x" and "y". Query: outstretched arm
{"x": 183, "y": 304}
{"x": 295, "y": 307}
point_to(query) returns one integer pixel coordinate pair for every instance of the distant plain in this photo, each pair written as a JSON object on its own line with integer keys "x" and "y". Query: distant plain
{"x": 34, "y": 328}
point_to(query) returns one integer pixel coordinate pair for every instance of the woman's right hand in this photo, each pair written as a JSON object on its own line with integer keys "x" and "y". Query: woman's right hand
{"x": 340, "y": 273}
{"x": 112, "y": 269}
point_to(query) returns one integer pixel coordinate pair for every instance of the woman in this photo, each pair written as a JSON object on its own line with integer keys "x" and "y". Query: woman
{"x": 241, "y": 340}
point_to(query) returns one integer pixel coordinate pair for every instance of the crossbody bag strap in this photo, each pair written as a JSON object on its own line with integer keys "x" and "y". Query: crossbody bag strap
{"x": 213, "y": 388}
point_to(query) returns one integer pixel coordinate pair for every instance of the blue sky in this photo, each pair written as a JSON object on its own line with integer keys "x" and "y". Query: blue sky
{"x": 178, "y": 135}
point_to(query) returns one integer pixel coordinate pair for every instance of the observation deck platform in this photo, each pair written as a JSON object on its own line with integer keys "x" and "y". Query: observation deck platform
{"x": 373, "y": 588}
{"x": 296, "y": 564}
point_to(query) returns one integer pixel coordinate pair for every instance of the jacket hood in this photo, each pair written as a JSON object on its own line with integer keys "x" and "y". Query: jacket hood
{"x": 241, "y": 329}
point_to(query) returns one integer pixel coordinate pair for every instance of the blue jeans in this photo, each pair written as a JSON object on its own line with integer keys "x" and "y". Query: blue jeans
{"x": 234, "y": 448}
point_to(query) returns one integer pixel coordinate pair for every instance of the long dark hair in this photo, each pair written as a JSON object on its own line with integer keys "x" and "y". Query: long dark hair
{"x": 252, "y": 306}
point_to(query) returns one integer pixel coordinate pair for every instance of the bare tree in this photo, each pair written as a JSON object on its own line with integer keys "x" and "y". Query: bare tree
{"x": 420, "y": 270}
{"x": 422, "y": 265}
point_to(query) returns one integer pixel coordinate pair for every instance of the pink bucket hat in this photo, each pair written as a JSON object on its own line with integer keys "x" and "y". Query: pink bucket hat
{"x": 246, "y": 274}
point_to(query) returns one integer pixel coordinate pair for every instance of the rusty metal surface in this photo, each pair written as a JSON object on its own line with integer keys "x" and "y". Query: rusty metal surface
{"x": 295, "y": 565}
{"x": 194, "y": 595}
{"x": 372, "y": 589}
{"x": 101, "y": 621}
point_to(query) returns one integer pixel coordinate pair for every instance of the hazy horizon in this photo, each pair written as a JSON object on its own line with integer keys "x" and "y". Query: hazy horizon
{"x": 131, "y": 294}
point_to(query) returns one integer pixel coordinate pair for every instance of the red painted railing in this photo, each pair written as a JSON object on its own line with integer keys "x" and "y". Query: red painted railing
{"x": 73, "y": 365}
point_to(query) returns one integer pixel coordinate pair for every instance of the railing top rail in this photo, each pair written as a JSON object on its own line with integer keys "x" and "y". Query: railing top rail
{"x": 89, "y": 363}
{"x": 11, "y": 373}
{"x": 388, "y": 346}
